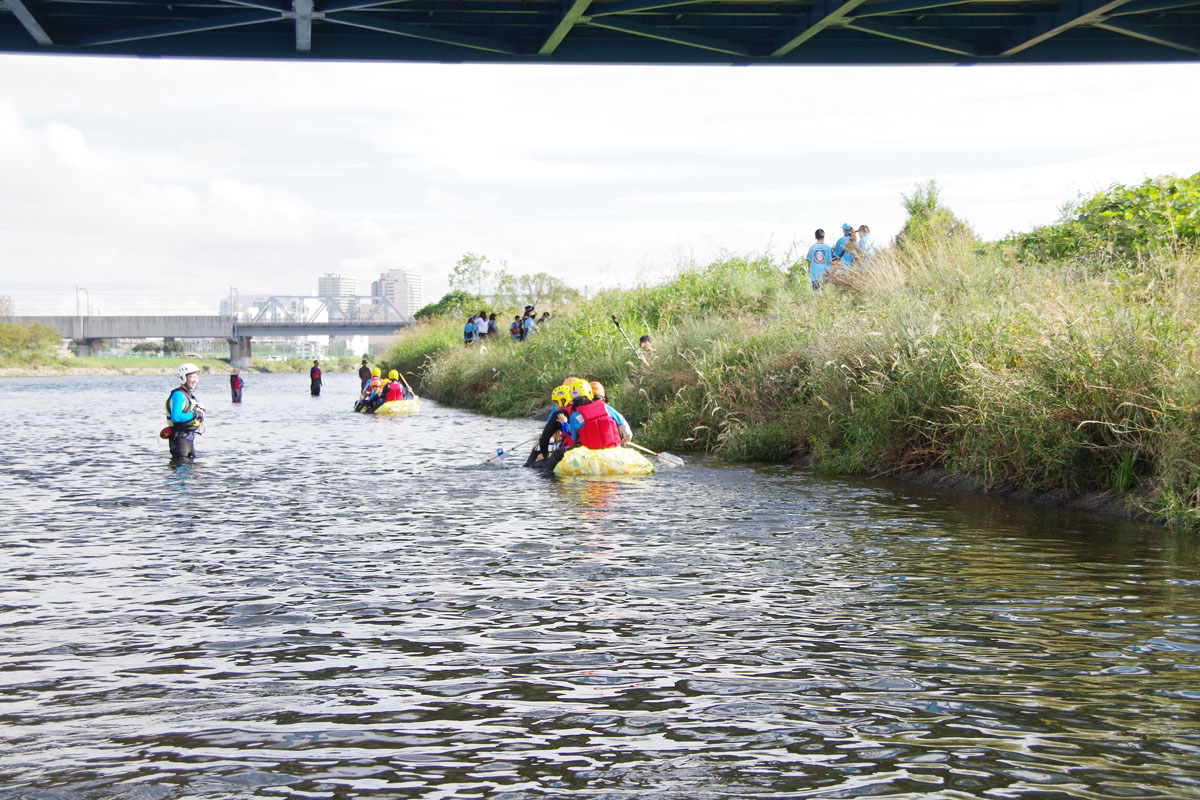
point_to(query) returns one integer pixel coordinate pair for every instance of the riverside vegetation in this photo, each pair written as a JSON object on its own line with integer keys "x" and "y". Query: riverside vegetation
{"x": 1065, "y": 359}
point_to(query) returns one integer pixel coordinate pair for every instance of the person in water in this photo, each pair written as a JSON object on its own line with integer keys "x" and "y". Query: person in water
{"x": 371, "y": 393}
{"x": 185, "y": 415}
{"x": 314, "y": 379}
{"x": 542, "y": 457}
{"x": 364, "y": 374}
{"x": 393, "y": 389}
{"x": 235, "y": 386}
{"x": 623, "y": 428}
{"x": 594, "y": 424}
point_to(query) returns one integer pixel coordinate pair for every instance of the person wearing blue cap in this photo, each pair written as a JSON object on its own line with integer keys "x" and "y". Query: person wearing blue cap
{"x": 845, "y": 247}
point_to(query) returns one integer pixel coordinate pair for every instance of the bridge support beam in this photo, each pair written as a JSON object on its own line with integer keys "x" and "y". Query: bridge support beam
{"x": 240, "y": 354}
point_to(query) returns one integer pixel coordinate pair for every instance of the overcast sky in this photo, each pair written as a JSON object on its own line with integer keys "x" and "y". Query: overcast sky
{"x": 159, "y": 184}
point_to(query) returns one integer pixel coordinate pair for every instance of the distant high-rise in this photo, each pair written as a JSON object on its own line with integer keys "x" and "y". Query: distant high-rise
{"x": 333, "y": 284}
{"x": 6, "y": 306}
{"x": 401, "y": 287}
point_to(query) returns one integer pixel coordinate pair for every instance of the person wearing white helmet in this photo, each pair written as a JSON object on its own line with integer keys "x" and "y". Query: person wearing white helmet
{"x": 185, "y": 415}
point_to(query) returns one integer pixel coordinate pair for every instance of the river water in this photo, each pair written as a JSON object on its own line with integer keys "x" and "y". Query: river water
{"x": 332, "y": 605}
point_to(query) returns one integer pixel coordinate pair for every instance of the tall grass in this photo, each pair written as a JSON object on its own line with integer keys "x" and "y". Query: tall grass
{"x": 940, "y": 354}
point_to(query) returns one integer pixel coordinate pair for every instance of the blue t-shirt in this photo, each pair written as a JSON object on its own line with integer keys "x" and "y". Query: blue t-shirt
{"x": 469, "y": 331}
{"x": 841, "y": 250}
{"x": 819, "y": 256}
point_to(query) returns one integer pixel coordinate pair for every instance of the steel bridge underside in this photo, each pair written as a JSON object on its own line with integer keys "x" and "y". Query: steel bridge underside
{"x": 614, "y": 31}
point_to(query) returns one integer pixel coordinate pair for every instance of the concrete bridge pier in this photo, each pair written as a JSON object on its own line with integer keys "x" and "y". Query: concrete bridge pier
{"x": 240, "y": 353}
{"x": 86, "y": 347}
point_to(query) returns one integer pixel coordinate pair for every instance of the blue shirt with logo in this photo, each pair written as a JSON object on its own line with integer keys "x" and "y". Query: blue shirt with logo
{"x": 819, "y": 256}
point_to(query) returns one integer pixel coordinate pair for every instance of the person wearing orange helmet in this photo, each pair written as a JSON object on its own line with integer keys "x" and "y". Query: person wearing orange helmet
{"x": 623, "y": 428}
{"x": 593, "y": 423}
{"x": 372, "y": 393}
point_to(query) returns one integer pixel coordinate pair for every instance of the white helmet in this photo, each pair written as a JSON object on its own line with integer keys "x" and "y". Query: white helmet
{"x": 185, "y": 370}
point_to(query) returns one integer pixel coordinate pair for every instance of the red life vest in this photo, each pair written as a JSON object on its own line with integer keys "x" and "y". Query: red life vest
{"x": 394, "y": 391}
{"x": 599, "y": 432}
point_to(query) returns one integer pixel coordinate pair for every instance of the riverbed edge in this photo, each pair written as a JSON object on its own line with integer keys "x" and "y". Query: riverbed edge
{"x": 1107, "y": 504}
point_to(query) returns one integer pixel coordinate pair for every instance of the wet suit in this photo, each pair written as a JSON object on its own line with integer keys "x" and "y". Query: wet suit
{"x": 550, "y": 459}
{"x": 185, "y": 415}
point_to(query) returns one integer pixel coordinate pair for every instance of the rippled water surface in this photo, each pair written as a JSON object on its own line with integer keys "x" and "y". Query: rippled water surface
{"x": 330, "y": 605}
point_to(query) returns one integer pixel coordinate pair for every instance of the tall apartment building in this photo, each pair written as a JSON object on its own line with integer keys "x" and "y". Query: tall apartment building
{"x": 6, "y": 306}
{"x": 333, "y": 284}
{"x": 402, "y": 287}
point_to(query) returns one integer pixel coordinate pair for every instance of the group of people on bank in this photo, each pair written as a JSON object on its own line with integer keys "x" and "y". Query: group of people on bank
{"x": 852, "y": 250}
{"x": 483, "y": 326}
{"x": 580, "y": 416}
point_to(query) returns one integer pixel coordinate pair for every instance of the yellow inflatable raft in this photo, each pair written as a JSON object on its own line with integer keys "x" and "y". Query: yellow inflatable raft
{"x": 395, "y": 408}
{"x": 610, "y": 461}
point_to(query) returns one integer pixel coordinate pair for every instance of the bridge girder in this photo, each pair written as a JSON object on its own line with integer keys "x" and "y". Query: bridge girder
{"x": 614, "y": 31}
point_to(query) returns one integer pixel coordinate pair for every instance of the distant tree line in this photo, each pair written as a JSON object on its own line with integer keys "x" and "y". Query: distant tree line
{"x": 22, "y": 342}
{"x": 474, "y": 284}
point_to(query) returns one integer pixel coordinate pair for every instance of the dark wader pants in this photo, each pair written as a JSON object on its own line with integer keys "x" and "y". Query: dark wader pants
{"x": 546, "y": 465}
{"x": 183, "y": 445}
{"x": 316, "y": 388}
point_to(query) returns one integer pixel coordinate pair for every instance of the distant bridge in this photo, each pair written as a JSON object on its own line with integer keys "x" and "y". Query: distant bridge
{"x": 342, "y": 319}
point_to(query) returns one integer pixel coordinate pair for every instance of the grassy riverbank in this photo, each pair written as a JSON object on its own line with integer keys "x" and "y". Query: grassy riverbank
{"x": 1077, "y": 373}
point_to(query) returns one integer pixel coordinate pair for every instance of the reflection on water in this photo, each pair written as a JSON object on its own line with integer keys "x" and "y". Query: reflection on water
{"x": 332, "y": 605}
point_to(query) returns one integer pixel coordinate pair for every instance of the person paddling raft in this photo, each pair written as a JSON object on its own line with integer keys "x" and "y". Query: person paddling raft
{"x": 372, "y": 393}
{"x": 185, "y": 415}
{"x": 393, "y": 389}
{"x": 593, "y": 423}
{"x": 623, "y": 428}
{"x": 542, "y": 458}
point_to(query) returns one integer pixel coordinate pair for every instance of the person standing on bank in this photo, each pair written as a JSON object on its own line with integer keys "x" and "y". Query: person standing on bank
{"x": 314, "y": 378}
{"x": 235, "y": 386}
{"x": 185, "y": 415}
{"x": 819, "y": 257}
{"x": 846, "y": 247}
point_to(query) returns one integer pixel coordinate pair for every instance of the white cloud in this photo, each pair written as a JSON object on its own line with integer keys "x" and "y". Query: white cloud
{"x": 166, "y": 182}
